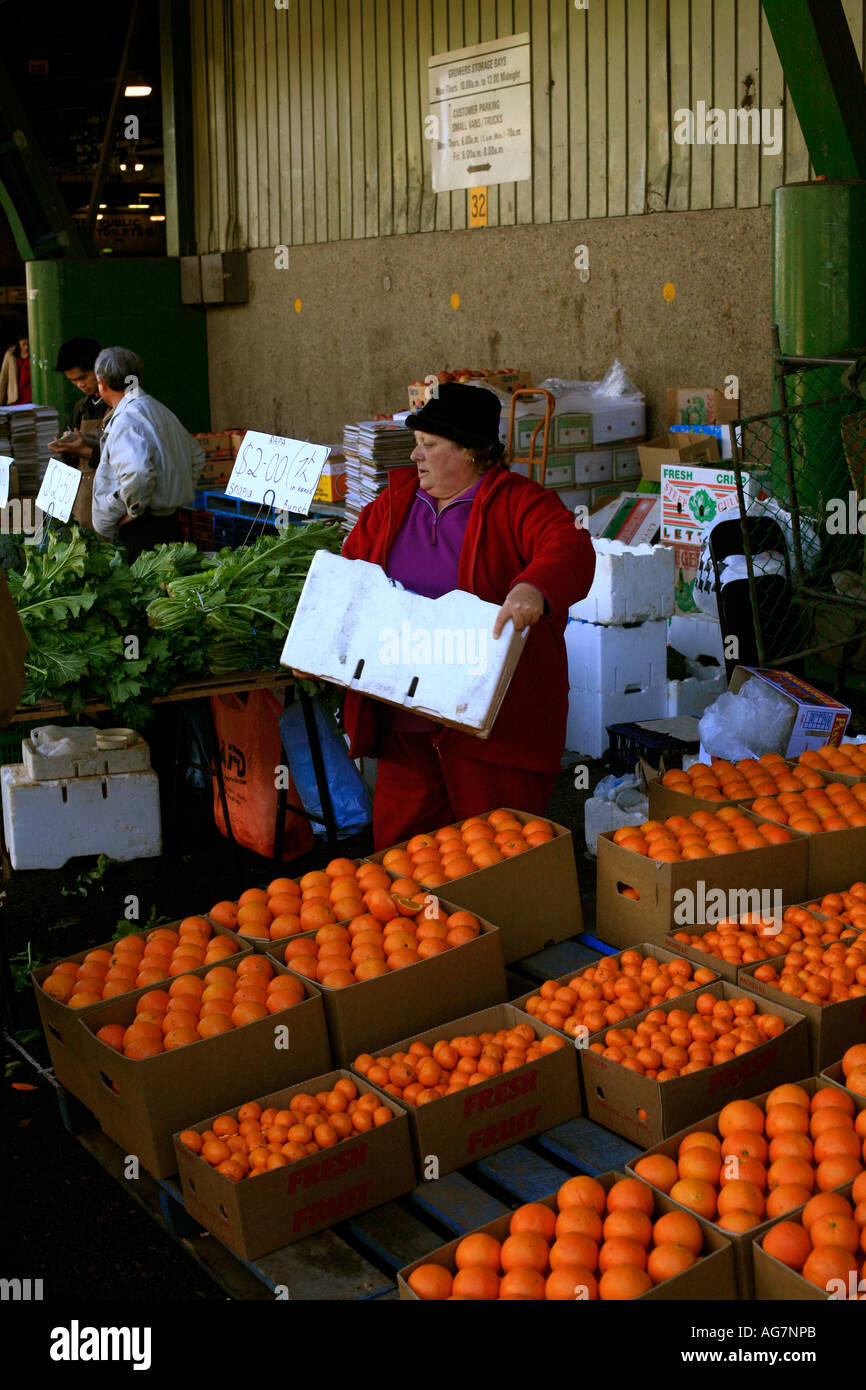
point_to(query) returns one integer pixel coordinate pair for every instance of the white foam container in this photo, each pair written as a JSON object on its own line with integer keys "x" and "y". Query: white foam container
{"x": 616, "y": 660}
{"x": 436, "y": 657}
{"x": 632, "y": 584}
{"x": 43, "y": 767}
{"x": 693, "y": 695}
{"x": 695, "y": 637}
{"x": 589, "y": 715}
{"x": 47, "y": 823}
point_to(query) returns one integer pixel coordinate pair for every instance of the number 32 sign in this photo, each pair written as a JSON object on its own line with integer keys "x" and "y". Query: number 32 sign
{"x": 285, "y": 472}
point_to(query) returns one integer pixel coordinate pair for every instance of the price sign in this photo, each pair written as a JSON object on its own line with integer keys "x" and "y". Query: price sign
{"x": 5, "y": 465}
{"x": 59, "y": 487}
{"x": 283, "y": 472}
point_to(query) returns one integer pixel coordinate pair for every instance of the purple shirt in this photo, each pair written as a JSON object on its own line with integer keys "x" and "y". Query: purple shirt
{"x": 425, "y": 558}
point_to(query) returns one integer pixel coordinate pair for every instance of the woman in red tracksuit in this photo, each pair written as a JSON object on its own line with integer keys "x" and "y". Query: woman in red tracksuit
{"x": 461, "y": 520}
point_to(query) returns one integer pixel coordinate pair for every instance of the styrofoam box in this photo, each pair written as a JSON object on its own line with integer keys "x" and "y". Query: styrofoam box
{"x": 589, "y": 715}
{"x": 693, "y": 696}
{"x": 616, "y": 660}
{"x": 354, "y": 627}
{"x": 632, "y": 584}
{"x": 43, "y": 767}
{"x": 696, "y": 637}
{"x": 47, "y": 823}
{"x": 601, "y": 815}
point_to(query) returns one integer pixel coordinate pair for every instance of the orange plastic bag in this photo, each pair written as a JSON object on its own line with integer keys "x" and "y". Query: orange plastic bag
{"x": 248, "y": 735}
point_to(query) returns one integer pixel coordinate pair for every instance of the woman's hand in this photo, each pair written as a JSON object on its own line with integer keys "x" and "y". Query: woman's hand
{"x": 524, "y": 606}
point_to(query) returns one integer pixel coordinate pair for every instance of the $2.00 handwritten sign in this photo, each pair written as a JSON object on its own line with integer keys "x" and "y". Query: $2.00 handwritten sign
{"x": 288, "y": 468}
{"x": 58, "y": 491}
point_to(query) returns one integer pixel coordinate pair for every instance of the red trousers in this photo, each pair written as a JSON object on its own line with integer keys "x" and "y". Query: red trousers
{"x": 420, "y": 789}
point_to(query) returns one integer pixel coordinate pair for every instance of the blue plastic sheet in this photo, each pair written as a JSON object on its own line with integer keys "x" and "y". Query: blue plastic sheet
{"x": 349, "y": 797}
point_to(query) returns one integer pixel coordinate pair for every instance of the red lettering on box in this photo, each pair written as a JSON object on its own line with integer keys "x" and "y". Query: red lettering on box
{"x": 324, "y": 1170}
{"x": 332, "y": 1208}
{"x": 504, "y": 1131}
{"x": 488, "y": 1097}
{"x": 751, "y": 1065}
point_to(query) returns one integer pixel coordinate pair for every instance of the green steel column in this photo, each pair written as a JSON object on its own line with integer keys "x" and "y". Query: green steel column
{"x": 819, "y": 267}
{"x": 825, "y": 81}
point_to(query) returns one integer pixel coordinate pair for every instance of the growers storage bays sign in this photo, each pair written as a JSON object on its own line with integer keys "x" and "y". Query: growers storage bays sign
{"x": 481, "y": 113}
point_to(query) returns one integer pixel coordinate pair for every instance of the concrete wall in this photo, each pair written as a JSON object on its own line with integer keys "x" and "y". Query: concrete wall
{"x": 354, "y": 346}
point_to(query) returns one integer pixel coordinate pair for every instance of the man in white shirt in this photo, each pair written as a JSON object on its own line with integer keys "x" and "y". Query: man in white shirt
{"x": 148, "y": 465}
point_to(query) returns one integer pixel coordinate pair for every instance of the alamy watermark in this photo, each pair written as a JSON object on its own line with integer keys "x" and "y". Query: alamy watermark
{"x": 439, "y": 646}
{"x": 710, "y": 906}
{"x": 741, "y": 125}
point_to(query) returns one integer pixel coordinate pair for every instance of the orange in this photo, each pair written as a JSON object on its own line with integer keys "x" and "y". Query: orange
{"x": 659, "y": 1170}
{"x": 581, "y": 1192}
{"x": 525, "y": 1251}
{"x": 522, "y": 1284}
{"x": 666, "y": 1261}
{"x": 629, "y": 1194}
{"x": 476, "y": 1282}
{"x": 623, "y": 1282}
{"x": 479, "y": 1250}
{"x": 569, "y": 1282}
{"x": 678, "y": 1228}
{"x": 788, "y": 1242}
{"x": 430, "y": 1282}
{"x": 699, "y": 1196}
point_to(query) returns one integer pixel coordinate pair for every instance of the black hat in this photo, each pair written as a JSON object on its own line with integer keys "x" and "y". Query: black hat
{"x": 468, "y": 415}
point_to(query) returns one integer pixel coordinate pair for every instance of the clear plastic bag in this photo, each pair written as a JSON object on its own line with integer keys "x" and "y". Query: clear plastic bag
{"x": 616, "y": 382}
{"x": 755, "y": 720}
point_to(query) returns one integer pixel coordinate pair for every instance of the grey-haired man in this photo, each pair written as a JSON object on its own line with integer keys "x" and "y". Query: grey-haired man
{"x": 149, "y": 463}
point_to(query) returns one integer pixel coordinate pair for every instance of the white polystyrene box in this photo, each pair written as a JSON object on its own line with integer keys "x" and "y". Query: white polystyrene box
{"x": 44, "y": 767}
{"x": 696, "y": 636}
{"x": 693, "y": 695}
{"x": 436, "y": 657}
{"x": 589, "y": 715}
{"x": 48, "y": 822}
{"x": 632, "y": 584}
{"x": 616, "y": 660}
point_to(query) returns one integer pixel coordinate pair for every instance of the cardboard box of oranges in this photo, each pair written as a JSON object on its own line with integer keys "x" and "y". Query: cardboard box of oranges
{"x": 521, "y": 1100}
{"x": 533, "y": 897}
{"x": 640, "y": 897}
{"x": 833, "y": 1027}
{"x": 368, "y": 1013}
{"x": 647, "y": 1111}
{"x": 747, "y": 934}
{"x": 271, "y": 1209}
{"x": 520, "y": 1268}
{"x": 60, "y": 1020}
{"x": 754, "y": 1161}
{"x": 141, "y": 1102}
{"x": 807, "y": 1256}
{"x": 838, "y": 1074}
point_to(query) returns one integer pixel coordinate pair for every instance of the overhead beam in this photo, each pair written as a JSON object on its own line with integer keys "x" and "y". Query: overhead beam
{"x": 40, "y": 220}
{"x": 825, "y": 82}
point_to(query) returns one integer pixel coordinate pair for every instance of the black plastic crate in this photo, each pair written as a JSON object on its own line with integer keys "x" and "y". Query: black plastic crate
{"x": 629, "y": 743}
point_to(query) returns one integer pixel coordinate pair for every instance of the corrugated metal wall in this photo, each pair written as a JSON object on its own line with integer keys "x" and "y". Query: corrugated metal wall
{"x": 309, "y": 119}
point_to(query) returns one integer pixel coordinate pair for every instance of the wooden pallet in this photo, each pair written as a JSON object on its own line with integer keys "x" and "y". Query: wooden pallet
{"x": 359, "y": 1259}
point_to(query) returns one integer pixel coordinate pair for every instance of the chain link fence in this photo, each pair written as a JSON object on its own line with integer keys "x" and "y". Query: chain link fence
{"x": 800, "y": 474}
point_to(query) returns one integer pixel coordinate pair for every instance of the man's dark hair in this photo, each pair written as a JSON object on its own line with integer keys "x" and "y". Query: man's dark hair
{"x": 77, "y": 352}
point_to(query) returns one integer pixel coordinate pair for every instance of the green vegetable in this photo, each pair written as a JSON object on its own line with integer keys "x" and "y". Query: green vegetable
{"x": 103, "y": 630}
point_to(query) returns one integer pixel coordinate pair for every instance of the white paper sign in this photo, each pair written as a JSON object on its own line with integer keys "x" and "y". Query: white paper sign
{"x": 481, "y": 114}
{"x": 58, "y": 491}
{"x": 282, "y": 472}
{"x": 5, "y": 465}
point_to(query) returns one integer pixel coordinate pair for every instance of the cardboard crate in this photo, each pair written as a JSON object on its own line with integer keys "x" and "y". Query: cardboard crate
{"x": 832, "y": 1027}
{"x": 624, "y": 921}
{"x": 331, "y": 486}
{"x": 667, "y": 801}
{"x": 648, "y": 1112}
{"x": 728, "y": 970}
{"x": 533, "y": 898}
{"x": 673, "y": 449}
{"x": 744, "y": 1244}
{"x": 819, "y": 719}
{"x": 712, "y": 1278}
{"x": 659, "y": 953}
{"x": 258, "y": 1215}
{"x": 64, "y": 1038}
{"x": 777, "y": 1281}
{"x": 481, "y": 1120}
{"x": 700, "y": 405}
{"x": 364, "y": 1016}
{"x": 836, "y": 1077}
{"x": 157, "y": 1097}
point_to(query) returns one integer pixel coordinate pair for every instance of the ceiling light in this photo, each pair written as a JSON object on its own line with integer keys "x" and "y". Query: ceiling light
{"x": 99, "y": 216}
{"x": 123, "y": 168}
{"x": 150, "y": 195}
{"x": 137, "y": 91}
{"x": 143, "y": 207}
{"x": 103, "y": 205}
{"x": 157, "y": 217}
{"x": 138, "y": 168}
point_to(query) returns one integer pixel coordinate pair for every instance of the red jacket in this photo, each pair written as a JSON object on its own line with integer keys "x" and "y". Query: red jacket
{"x": 517, "y": 533}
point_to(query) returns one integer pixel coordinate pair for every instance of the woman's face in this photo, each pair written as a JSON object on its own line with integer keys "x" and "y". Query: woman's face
{"x": 24, "y": 346}
{"x": 444, "y": 468}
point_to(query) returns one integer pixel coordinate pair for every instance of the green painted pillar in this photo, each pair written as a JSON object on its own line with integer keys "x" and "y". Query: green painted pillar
{"x": 819, "y": 267}
{"x": 132, "y": 303}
